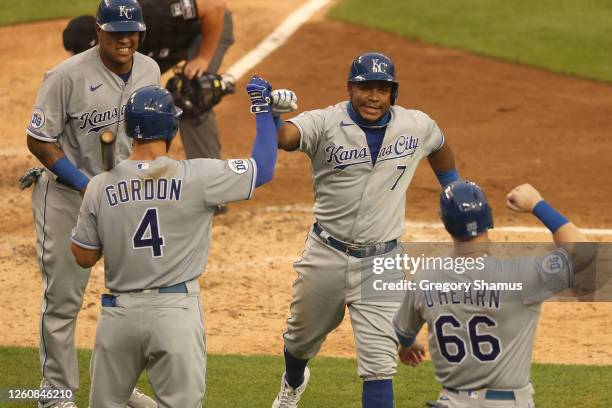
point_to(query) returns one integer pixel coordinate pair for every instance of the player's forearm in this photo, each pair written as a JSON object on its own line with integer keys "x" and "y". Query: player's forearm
{"x": 442, "y": 162}
{"x": 212, "y": 14}
{"x": 566, "y": 235}
{"x": 53, "y": 158}
{"x": 46, "y": 152}
{"x": 86, "y": 258}
{"x": 264, "y": 148}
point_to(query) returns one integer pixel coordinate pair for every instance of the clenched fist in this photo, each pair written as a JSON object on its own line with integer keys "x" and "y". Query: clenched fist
{"x": 523, "y": 198}
{"x": 283, "y": 101}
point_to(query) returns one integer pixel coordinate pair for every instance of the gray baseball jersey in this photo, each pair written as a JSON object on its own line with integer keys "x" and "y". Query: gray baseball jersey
{"x": 80, "y": 99}
{"x": 153, "y": 218}
{"x": 482, "y": 337}
{"x": 355, "y": 201}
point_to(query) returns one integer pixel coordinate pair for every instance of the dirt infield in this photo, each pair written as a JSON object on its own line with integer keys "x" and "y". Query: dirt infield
{"x": 507, "y": 124}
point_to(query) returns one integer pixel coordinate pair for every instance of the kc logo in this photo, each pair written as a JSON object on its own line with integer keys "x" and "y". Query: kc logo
{"x": 125, "y": 12}
{"x": 379, "y": 66}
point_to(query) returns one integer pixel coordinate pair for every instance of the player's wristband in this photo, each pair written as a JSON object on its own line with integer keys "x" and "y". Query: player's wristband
{"x": 403, "y": 340}
{"x": 68, "y": 174}
{"x": 447, "y": 177}
{"x": 551, "y": 218}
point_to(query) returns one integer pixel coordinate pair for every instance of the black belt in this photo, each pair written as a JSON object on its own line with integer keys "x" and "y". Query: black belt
{"x": 358, "y": 251}
{"x": 490, "y": 394}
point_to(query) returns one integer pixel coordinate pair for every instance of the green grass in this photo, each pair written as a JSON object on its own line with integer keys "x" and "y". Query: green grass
{"x": 252, "y": 381}
{"x": 566, "y": 36}
{"x": 19, "y": 11}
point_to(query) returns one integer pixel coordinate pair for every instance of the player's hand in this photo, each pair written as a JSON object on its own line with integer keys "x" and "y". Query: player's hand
{"x": 260, "y": 94}
{"x": 523, "y": 198}
{"x": 283, "y": 101}
{"x": 195, "y": 67}
{"x": 413, "y": 355}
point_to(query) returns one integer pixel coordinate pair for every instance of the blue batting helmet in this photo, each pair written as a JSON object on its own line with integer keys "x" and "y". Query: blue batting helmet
{"x": 464, "y": 209}
{"x": 150, "y": 114}
{"x": 374, "y": 66}
{"x": 120, "y": 15}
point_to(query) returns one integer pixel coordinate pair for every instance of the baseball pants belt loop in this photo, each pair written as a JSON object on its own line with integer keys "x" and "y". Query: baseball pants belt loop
{"x": 357, "y": 251}
{"x": 497, "y": 395}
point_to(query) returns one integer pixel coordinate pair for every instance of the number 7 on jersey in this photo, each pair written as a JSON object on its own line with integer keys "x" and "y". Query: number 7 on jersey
{"x": 402, "y": 170}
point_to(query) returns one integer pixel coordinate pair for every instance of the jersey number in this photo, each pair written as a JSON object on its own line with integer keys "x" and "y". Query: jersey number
{"x": 402, "y": 170}
{"x": 485, "y": 347}
{"x": 147, "y": 234}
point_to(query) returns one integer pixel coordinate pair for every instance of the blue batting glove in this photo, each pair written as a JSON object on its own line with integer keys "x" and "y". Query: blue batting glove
{"x": 260, "y": 94}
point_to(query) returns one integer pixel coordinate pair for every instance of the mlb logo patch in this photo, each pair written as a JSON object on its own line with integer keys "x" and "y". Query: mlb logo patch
{"x": 142, "y": 166}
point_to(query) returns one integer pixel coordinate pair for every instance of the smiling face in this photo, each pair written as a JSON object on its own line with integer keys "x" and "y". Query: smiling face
{"x": 117, "y": 49}
{"x": 370, "y": 99}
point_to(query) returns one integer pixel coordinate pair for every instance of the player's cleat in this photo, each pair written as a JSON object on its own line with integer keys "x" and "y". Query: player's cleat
{"x": 139, "y": 399}
{"x": 221, "y": 209}
{"x": 289, "y": 397}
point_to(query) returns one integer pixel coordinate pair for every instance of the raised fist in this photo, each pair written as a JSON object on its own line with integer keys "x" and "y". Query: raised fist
{"x": 259, "y": 91}
{"x": 523, "y": 198}
{"x": 283, "y": 101}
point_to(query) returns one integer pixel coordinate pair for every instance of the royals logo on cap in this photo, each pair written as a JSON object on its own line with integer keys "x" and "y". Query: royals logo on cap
{"x": 126, "y": 12}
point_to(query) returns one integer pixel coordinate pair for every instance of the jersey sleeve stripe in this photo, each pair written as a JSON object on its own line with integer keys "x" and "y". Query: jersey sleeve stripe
{"x": 40, "y": 136}
{"x": 440, "y": 145}
{"x": 84, "y": 245}
{"x": 253, "y": 178}
{"x": 301, "y": 148}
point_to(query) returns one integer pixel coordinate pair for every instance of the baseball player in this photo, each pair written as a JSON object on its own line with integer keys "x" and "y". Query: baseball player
{"x": 481, "y": 340}
{"x": 199, "y": 31}
{"x": 78, "y": 100}
{"x": 364, "y": 153}
{"x": 151, "y": 217}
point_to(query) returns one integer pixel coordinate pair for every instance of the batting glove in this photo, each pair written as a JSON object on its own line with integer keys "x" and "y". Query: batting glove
{"x": 259, "y": 91}
{"x": 283, "y": 101}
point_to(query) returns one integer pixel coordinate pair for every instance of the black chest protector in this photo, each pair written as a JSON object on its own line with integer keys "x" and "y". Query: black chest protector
{"x": 172, "y": 27}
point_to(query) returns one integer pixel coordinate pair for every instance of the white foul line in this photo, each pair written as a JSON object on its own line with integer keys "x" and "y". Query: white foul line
{"x": 276, "y": 38}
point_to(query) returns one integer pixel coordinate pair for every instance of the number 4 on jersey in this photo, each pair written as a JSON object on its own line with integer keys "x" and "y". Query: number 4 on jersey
{"x": 147, "y": 234}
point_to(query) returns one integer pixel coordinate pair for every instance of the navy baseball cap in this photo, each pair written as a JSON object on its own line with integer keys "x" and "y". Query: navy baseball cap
{"x": 80, "y": 34}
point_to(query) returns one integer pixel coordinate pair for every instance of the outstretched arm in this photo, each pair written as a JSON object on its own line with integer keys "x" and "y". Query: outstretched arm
{"x": 525, "y": 198}
{"x": 264, "y": 147}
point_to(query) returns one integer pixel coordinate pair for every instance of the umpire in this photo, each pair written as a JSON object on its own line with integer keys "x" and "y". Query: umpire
{"x": 196, "y": 31}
